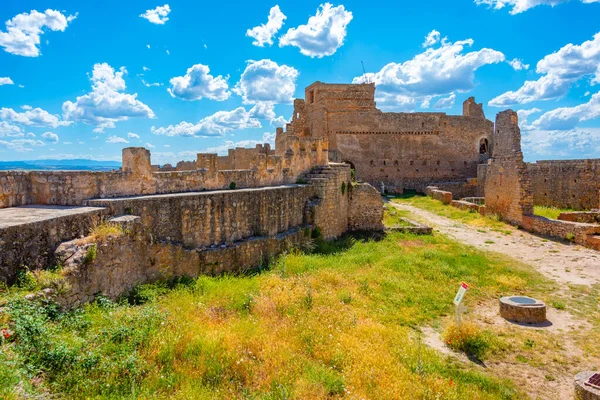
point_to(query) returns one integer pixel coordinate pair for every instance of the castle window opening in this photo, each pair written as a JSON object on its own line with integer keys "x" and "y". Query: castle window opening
{"x": 311, "y": 96}
{"x": 483, "y": 146}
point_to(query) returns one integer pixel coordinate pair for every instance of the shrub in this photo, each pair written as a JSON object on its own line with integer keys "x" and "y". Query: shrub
{"x": 468, "y": 339}
{"x": 301, "y": 180}
{"x": 105, "y": 230}
{"x": 570, "y": 237}
{"x": 232, "y": 185}
{"x": 343, "y": 188}
{"x": 91, "y": 254}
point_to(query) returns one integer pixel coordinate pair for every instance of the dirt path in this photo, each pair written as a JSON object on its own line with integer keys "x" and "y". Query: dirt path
{"x": 565, "y": 263}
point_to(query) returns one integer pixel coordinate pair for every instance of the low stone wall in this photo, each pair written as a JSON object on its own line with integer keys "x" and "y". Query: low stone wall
{"x": 587, "y": 217}
{"x": 133, "y": 258}
{"x": 465, "y": 205}
{"x": 443, "y": 196}
{"x": 573, "y": 231}
{"x": 32, "y": 244}
{"x": 467, "y": 188}
{"x": 366, "y": 208}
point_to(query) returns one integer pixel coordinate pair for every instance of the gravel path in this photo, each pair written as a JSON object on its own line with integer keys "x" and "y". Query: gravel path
{"x": 565, "y": 263}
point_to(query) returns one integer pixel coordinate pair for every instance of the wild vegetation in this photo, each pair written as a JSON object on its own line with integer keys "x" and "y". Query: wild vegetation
{"x": 343, "y": 321}
{"x": 549, "y": 212}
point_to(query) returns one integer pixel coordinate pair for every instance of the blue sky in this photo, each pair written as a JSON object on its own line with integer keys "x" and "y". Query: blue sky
{"x": 85, "y": 79}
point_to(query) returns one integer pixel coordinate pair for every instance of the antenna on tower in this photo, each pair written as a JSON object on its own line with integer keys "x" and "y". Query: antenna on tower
{"x": 364, "y": 72}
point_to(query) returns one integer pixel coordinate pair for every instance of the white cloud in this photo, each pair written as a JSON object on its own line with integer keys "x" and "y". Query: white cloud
{"x": 574, "y": 143}
{"x": 266, "y": 81}
{"x": 158, "y": 16}
{"x": 20, "y": 145}
{"x": 560, "y": 70}
{"x": 518, "y": 65}
{"x": 132, "y": 135}
{"x": 264, "y": 33}
{"x": 22, "y": 36}
{"x": 6, "y": 81}
{"x": 566, "y": 118}
{"x": 432, "y": 38}
{"x": 32, "y": 117}
{"x": 445, "y": 102}
{"x": 198, "y": 83}
{"x": 217, "y": 124}
{"x": 323, "y": 34}
{"x": 50, "y": 137}
{"x": 106, "y": 104}
{"x": 151, "y": 84}
{"x": 7, "y": 129}
{"x": 116, "y": 139}
{"x": 149, "y": 146}
{"x": 267, "y": 111}
{"x": 519, "y": 6}
{"x": 145, "y": 68}
{"x": 524, "y": 116}
{"x": 435, "y": 72}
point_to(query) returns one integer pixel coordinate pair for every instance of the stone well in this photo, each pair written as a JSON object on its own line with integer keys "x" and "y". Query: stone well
{"x": 584, "y": 391}
{"x": 522, "y": 309}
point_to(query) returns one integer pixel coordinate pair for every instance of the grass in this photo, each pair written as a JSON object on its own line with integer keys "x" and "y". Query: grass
{"x": 549, "y": 212}
{"x": 465, "y": 216}
{"x": 104, "y": 230}
{"x": 393, "y": 216}
{"x": 342, "y": 322}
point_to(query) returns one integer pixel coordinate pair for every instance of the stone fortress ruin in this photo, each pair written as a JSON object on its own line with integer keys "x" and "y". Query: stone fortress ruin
{"x": 230, "y": 213}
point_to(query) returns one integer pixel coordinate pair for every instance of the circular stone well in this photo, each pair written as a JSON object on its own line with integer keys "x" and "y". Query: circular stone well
{"x": 522, "y": 309}
{"x": 584, "y": 391}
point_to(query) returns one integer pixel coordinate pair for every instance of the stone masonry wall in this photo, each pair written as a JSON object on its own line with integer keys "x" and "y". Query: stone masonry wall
{"x": 33, "y": 244}
{"x": 571, "y": 184}
{"x": 507, "y": 185}
{"x": 402, "y": 150}
{"x": 366, "y": 208}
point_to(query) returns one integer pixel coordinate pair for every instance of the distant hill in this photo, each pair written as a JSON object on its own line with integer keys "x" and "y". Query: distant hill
{"x": 56, "y": 165}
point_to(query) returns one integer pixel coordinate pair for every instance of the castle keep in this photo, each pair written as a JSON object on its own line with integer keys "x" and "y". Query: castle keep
{"x": 400, "y": 150}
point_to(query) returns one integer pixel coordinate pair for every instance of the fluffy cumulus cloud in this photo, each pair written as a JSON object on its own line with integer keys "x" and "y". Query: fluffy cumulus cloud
{"x": 438, "y": 71}
{"x": 445, "y": 102}
{"x": 20, "y": 145}
{"x": 566, "y": 118}
{"x": 519, "y": 6}
{"x": 217, "y": 124}
{"x": 432, "y": 38}
{"x": 50, "y": 137}
{"x": 266, "y": 81}
{"x": 518, "y": 65}
{"x": 106, "y": 104}
{"x": 263, "y": 34}
{"x": 267, "y": 111}
{"x": 22, "y": 35}
{"x": 7, "y": 129}
{"x": 6, "y": 81}
{"x": 32, "y": 117}
{"x": 158, "y": 16}
{"x": 116, "y": 139}
{"x": 543, "y": 144}
{"x": 322, "y": 35}
{"x": 132, "y": 135}
{"x": 198, "y": 83}
{"x": 560, "y": 70}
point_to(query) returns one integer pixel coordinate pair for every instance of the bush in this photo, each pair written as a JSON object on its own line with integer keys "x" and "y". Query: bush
{"x": 469, "y": 339}
{"x": 570, "y": 237}
{"x": 232, "y": 185}
{"x": 105, "y": 230}
{"x": 90, "y": 256}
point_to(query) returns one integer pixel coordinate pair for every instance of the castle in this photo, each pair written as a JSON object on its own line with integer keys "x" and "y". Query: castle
{"x": 230, "y": 213}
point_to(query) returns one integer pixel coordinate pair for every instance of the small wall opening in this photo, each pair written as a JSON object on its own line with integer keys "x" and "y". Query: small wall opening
{"x": 484, "y": 146}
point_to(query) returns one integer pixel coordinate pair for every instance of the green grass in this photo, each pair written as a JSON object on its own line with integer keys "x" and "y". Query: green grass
{"x": 315, "y": 325}
{"x": 549, "y": 212}
{"x": 393, "y": 216}
{"x": 465, "y": 216}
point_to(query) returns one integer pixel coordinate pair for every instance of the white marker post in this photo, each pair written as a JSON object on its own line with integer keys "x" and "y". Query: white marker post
{"x": 458, "y": 301}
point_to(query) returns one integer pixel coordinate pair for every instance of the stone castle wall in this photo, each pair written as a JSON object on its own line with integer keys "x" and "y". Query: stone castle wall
{"x": 507, "y": 184}
{"x": 402, "y": 150}
{"x": 573, "y": 184}
{"x": 138, "y": 177}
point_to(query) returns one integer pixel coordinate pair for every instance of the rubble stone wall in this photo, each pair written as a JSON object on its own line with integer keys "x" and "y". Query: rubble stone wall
{"x": 573, "y": 184}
